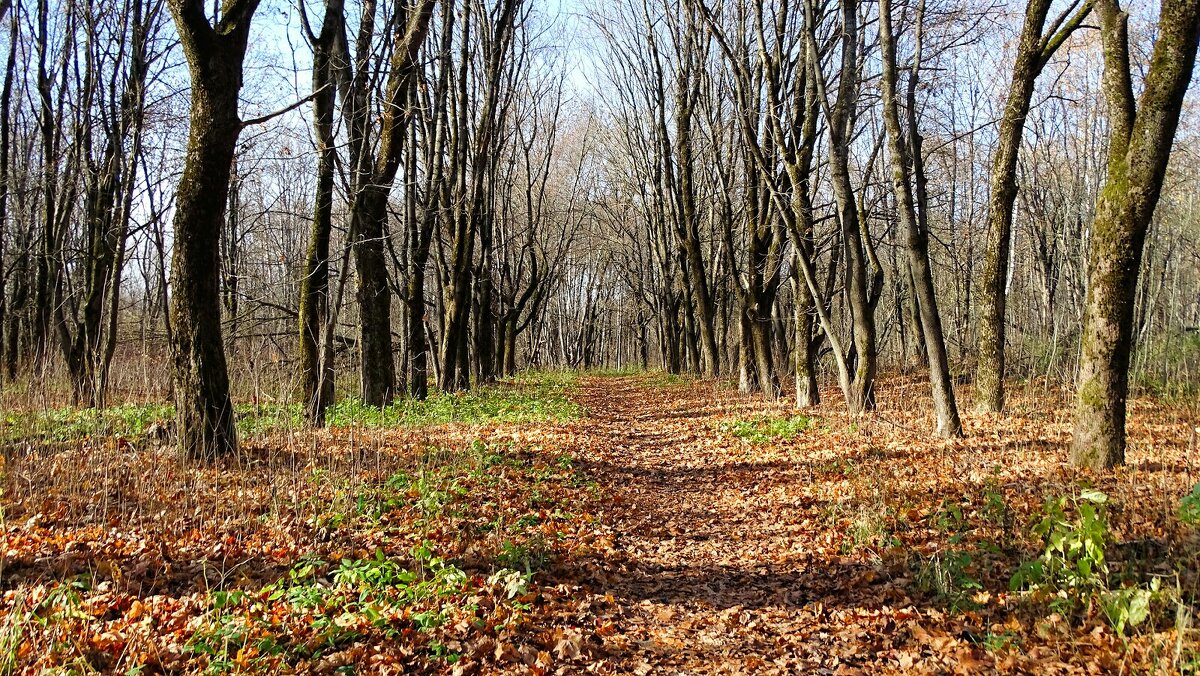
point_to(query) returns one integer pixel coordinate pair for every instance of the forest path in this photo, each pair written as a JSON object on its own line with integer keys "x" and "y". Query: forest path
{"x": 723, "y": 560}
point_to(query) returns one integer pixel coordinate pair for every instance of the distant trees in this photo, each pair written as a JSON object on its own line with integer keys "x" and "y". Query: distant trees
{"x": 113, "y": 125}
{"x": 783, "y": 193}
{"x": 786, "y": 73}
{"x": 464, "y": 126}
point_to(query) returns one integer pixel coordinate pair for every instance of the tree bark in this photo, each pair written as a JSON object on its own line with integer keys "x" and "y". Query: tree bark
{"x": 5, "y": 145}
{"x": 368, "y": 210}
{"x": 214, "y": 55}
{"x": 1033, "y": 52}
{"x": 316, "y": 388}
{"x": 1141, "y": 133}
{"x": 906, "y": 161}
{"x": 862, "y": 311}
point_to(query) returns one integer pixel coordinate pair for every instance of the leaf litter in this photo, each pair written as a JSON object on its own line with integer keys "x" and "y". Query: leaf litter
{"x": 653, "y": 534}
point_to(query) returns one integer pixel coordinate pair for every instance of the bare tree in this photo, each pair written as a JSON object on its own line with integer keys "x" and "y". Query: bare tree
{"x": 215, "y": 52}
{"x": 1034, "y": 51}
{"x": 1141, "y": 131}
{"x": 316, "y": 378}
{"x": 908, "y": 184}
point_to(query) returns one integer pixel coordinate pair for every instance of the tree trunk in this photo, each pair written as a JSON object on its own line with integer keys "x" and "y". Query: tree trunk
{"x": 368, "y": 211}
{"x": 760, "y": 332}
{"x": 1141, "y": 133}
{"x": 861, "y": 392}
{"x": 203, "y": 406}
{"x": 905, "y": 154}
{"x": 316, "y": 388}
{"x": 808, "y": 393}
{"x": 378, "y": 366}
{"x": 5, "y": 145}
{"x": 1033, "y": 52}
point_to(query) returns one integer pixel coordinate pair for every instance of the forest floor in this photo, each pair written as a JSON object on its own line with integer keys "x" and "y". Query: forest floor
{"x": 617, "y": 523}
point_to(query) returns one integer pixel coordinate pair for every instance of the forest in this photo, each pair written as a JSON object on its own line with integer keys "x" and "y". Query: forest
{"x": 599, "y": 336}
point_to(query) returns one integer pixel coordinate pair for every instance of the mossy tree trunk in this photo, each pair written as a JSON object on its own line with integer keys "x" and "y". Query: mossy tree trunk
{"x": 1033, "y": 52}
{"x": 1141, "y": 132}
{"x": 215, "y": 54}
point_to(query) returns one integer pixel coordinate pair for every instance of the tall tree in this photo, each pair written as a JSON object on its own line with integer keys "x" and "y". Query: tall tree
{"x": 112, "y": 118}
{"x": 476, "y": 153}
{"x": 374, "y": 174}
{"x": 329, "y": 48}
{"x": 1141, "y": 132}
{"x": 421, "y": 224}
{"x": 215, "y": 53}
{"x": 681, "y": 177}
{"x": 1034, "y": 51}
{"x": 908, "y": 185}
{"x": 5, "y": 147}
{"x": 840, "y": 112}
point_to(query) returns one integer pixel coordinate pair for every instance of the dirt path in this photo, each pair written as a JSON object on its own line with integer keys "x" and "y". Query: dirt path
{"x": 719, "y": 564}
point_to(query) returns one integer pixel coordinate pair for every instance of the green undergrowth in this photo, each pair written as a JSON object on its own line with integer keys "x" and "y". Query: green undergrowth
{"x": 527, "y": 398}
{"x": 69, "y": 423}
{"x": 413, "y": 566}
{"x": 1070, "y": 568}
{"x": 523, "y": 400}
{"x": 531, "y": 493}
{"x": 321, "y": 607}
{"x": 764, "y": 429}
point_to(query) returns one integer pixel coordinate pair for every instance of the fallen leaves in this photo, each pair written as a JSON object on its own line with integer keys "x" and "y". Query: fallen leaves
{"x": 653, "y": 536}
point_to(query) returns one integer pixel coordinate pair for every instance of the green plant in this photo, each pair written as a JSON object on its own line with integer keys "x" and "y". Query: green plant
{"x": 995, "y": 508}
{"x": 994, "y": 643}
{"x": 764, "y": 429}
{"x": 529, "y": 555}
{"x": 948, "y": 575}
{"x": 1189, "y": 507}
{"x": 128, "y": 421}
{"x": 512, "y": 584}
{"x": 949, "y": 517}
{"x": 525, "y": 400}
{"x": 1128, "y": 606}
{"x": 220, "y": 638}
{"x": 1074, "y": 530}
{"x": 12, "y": 632}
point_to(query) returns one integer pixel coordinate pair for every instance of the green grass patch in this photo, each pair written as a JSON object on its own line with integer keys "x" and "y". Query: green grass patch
{"x": 499, "y": 403}
{"x": 70, "y": 424}
{"x": 622, "y": 372}
{"x": 132, "y": 422}
{"x": 528, "y": 398}
{"x": 764, "y": 429}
